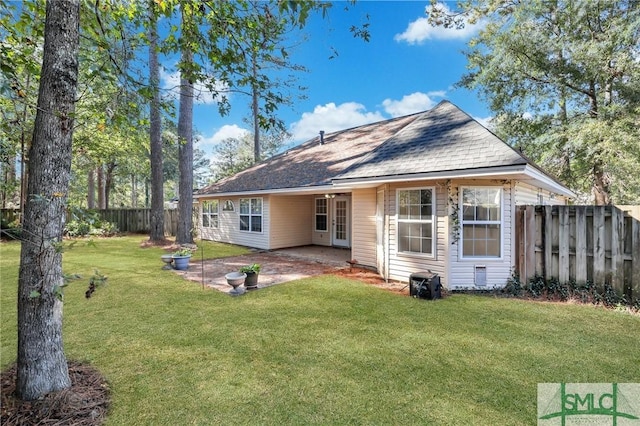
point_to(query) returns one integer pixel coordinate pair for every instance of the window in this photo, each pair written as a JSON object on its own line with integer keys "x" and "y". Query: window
{"x": 251, "y": 214}
{"x": 210, "y": 214}
{"x": 322, "y": 221}
{"x": 416, "y": 210}
{"x": 481, "y": 222}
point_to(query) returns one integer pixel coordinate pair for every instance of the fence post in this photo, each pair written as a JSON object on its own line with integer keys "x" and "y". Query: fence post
{"x": 548, "y": 242}
{"x": 635, "y": 253}
{"x": 563, "y": 245}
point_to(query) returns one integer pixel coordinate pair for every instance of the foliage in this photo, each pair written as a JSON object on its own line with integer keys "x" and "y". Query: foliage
{"x": 323, "y": 350}
{"x": 183, "y": 251}
{"x": 255, "y": 268}
{"x": 562, "y": 78}
{"x": 539, "y": 288}
{"x": 88, "y": 222}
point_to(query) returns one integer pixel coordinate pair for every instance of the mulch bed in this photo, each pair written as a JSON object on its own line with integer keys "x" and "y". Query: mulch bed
{"x": 85, "y": 403}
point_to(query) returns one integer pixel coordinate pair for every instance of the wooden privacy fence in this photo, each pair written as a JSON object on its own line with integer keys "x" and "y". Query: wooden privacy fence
{"x": 597, "y": 244}
{"x": 139, "y": 220}
{"x": 127, "y": 220}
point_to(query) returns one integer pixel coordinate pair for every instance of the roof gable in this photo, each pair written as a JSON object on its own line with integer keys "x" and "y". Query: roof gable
{"x": 442, "y": 139}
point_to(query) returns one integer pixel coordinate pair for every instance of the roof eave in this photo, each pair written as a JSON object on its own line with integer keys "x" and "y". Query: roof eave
{"x": 519, "y": 171}
{"x": 278, "y": 191}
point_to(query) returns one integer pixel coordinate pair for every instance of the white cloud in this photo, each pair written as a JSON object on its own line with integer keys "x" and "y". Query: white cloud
{"x": 225, "y": 132}
{"x": 330, "y": 118}
{"x": 420, "y": 30}
{"x": 409, "y": 104}
{"x": 170, "y": 82}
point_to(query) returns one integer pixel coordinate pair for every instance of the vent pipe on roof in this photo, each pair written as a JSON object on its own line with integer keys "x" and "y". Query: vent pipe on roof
{"x": 321, "y": 137}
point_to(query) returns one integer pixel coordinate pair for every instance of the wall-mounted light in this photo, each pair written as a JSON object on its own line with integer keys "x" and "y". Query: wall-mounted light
{"x": 329, "y": 195}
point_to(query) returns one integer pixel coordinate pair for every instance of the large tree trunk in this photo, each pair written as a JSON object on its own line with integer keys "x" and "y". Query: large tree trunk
{"x": 42, "y": 366}
{"x": 185, "y": 143}
{"x": 156, "y": 232}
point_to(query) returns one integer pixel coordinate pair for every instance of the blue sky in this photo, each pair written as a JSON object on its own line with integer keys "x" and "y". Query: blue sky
{"x": 406, "y": 67}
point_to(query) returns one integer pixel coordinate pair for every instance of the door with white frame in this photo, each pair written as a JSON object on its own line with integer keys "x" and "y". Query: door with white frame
{"x": 341, "y": 226}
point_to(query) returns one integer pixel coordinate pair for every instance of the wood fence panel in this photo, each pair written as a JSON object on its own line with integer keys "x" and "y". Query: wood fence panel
{"x": 617, "y": 249}
{"x": 548, "y": 243}
{"x": 598, "y": 244}
{"x": 581, "y": 244}
{"x": 599, "y": 247}
{"x": 530, "y": 241}
{"x": 635, "y": 259}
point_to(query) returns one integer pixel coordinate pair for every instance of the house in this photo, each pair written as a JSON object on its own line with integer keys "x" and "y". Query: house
{"x": 430, "y": 191}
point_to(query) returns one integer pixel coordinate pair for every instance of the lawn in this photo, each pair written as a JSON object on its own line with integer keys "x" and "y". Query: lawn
{"x": 324, "y": 350}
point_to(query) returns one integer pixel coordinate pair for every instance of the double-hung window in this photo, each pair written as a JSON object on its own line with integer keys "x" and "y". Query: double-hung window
{"x": 210, "y": 214}
{"x": 251, "y": 214}
{"x": 322, "y": 218}
{"x": 416, "y": 222}
{"x": 481, "y": 222}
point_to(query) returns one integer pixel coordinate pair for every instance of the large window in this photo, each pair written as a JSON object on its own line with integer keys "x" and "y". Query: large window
{"x": 322, "y": 221}
{"x": 481, "y": 222}
{"x": 210, "y": 214}
{"x": 416, "y": 209}
{"x": 251, "y": 214}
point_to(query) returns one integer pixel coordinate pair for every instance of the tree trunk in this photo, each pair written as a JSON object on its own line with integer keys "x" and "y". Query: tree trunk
{"x": 42, "y": 366}
{"x": 134, "y": 191}
{"x": 91, "y": 189}
{"x": 156, "y": 232}
{"x": 108, "y": 182}
{"x": 254, "y": 109}
{"x": 185, "y": 144}
{"x": 102, "y": 203}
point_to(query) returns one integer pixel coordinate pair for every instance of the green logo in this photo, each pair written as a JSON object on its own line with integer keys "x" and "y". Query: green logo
{"x": 616, "y": 404}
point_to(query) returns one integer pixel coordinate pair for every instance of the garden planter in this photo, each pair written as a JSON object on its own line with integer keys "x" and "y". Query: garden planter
{"x": 181, "y": 263}
{"x": 251, "y": 282}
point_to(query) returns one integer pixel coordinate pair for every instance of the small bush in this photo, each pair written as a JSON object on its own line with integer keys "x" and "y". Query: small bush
{"x": 87, "y": 222}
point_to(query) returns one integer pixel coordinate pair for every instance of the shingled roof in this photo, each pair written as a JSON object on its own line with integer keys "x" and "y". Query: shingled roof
{"x": 312, "y": 164}
{"x": 443, "y": 139}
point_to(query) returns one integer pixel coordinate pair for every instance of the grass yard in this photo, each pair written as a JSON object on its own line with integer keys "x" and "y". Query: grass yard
{"x": 324, "y": 350}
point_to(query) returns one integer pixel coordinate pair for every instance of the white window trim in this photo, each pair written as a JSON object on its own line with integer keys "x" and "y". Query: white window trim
{"x": 240, "y": 214}
{"x": 488, "y": 222}
{"x": 211, "y": 214}
{"x": 316, "y": 214}
{"x": 434, "y": 220}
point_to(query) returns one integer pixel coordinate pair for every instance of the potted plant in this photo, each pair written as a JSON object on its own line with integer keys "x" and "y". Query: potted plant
{"x": 252, "y": 271}
{"x": 181, "y": 258}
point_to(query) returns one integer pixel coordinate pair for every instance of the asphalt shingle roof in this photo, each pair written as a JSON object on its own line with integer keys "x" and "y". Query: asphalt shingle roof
{"x": 442, "y": 139}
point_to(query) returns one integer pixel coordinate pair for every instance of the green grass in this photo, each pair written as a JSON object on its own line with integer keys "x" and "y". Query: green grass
{"x": 323, "y": 350}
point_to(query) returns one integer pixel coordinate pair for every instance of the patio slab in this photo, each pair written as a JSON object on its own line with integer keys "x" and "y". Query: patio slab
{"x": 283, "y": 265}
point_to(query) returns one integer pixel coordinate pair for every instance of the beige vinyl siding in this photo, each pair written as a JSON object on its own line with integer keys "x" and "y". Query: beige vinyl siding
{"x": 363, "y": 219}
{"x": 526, "y": 194}
{"x": 291, "y": 220}
{"x": 498, "y": 271}
{"x": 402, "y": 265}
{"x": 229, "y": 227}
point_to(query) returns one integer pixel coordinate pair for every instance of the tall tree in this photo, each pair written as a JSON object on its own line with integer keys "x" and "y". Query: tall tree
{"x": 184, "y": 234}
{"x": 562, "y": 77}
{"x": 42, "y": 366}
{"x": 155, "y": 133}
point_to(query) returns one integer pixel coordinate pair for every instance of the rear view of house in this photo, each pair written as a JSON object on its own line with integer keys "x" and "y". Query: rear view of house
{"x": 430, "y": 191}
